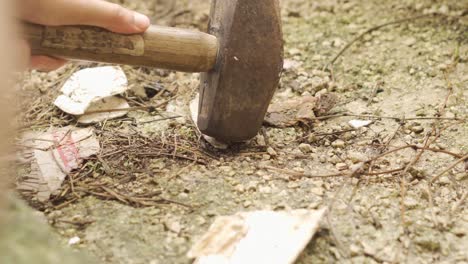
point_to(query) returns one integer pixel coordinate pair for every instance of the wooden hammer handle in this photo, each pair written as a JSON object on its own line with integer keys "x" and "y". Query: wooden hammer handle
{"x": 161, "y": 47}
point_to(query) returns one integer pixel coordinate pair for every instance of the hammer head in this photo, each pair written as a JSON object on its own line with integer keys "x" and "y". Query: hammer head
{"x": 235, "y": 95}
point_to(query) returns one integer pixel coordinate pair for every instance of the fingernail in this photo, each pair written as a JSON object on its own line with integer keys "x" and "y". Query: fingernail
{"x": 141, "y": 21}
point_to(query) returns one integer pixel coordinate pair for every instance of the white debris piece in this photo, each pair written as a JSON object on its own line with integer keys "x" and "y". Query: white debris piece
{"x": 53, "y": 154}
{"x": 257, "y": 237}
{"x": 194, "y": 112}
{"x": 104, "y": 104}
{"x": 291, "y": 64}
{"x": 90, "y": 85}
{"x": 359, "y": 123}
{"x": 73, "y": 241}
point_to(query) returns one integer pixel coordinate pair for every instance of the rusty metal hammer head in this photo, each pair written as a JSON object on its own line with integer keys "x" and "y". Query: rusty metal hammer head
{"x": 235, "y": 95}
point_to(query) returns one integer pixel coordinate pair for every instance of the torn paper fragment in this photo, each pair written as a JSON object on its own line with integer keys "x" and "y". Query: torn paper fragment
{"x": 96, "y": 110}
{"x": 359, "y": 123}
{"x": 55, "y": 153}
{"x": 90, "y": 85}
{"x": 194, "y": 105}
{"x": 257, "y": 237}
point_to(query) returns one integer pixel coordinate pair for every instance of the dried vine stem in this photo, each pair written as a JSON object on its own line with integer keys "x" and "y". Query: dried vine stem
{"x": 370, "y": 30}
{"x": 453, "y": 165}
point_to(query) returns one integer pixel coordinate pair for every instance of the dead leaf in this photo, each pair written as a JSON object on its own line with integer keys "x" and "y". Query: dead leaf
{"x": 299, "y": 110}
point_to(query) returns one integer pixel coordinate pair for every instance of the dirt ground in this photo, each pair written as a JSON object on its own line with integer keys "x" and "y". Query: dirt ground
{"x": 414, "y": 69}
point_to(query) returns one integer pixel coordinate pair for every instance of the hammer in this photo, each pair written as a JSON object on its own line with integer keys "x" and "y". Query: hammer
{"x": 241, "y": 59}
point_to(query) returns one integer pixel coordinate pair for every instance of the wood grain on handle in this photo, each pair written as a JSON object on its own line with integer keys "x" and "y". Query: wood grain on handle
{"x": 161, "y": 47}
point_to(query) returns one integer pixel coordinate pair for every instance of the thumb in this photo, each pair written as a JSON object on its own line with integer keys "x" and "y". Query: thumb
{"x": 84, "y": 12}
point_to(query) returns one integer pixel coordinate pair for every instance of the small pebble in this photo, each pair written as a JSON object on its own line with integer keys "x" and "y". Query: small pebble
{"x": 449, "y": 115}
{"x": 252, "y": 186}
{"x": 319, "y": 191}
{"x": 342, "y": 166}
{"x": 410, "y": 203}
{"x": 271, "y": 152}
{"x": 239, "y": 188}
{"x": 173, "y": 225}
{"x": 305, "y": 148}
{"x": 334, "y": 159}
{"x": 355, "y": 250}
{"x": 444, "y": 180}
{"x": 338, "y": 143}
{"x": 265, "y": 189}
{"x": 312, "y": 138}
{"x": 356, "y": 157}
{"x": 323, "y": 159}
{"x": 293, "y": 185}
{"x": 417, "y": 129}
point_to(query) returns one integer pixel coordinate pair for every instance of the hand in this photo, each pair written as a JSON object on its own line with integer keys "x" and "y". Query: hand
{"x": 78, "y": 12}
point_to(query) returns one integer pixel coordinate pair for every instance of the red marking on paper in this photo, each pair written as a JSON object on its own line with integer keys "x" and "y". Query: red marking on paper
{"x": 67, "y": 150}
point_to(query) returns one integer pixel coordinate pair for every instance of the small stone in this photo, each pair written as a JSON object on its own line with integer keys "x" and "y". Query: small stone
{"x": 444, "y": 9}
{"x": 369, "y": 248}
{"x": 252, "y": 186}
{"x": 417, "y": 129}
{"x": 323, "y": 159}
{"x": 314, "y": 205}
{"x": 417, "y": 173}
{"x": 428, "y": 242}
{"x": 293, "y": 185}
{"x": 356, "y": 157}
{"x": 266, "y": 157}
{"x": 312, "y": 138}
{"x": 239, "y": 188}
{"x": 261, "y": 141}
{"x": 342, "y": 166}
{"x": 462, "y": 176}
{"x": 69, "y": 231}
{"x": 247, "y": 204}
{"x": 305, "y": 148}
{"x": 444, "y": 180}
{"x": 334, "y": 159}
{"x": 410, "y": 203}
{"x": 294, "y": 51}
{"x": 349, "y": 135}
{"x": 460, "y": 230}
{"x": 408, "y": 138}
{"x": 449, "y": 115}
{"x": 271, "y": 152}
{"x": 319, "y": 191}
{"x": 338, "y": 143}
{"x": 173, "y": 225}
{"x": 421, "y": 112}
{"x": 355, "y": 250}
{"x": 410, "y": 41}
{"x": 153, "y": 212}
{"x": 183, "y": 195}
{"x": 265, "y": 189}
{"x": 452, "y": 100}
